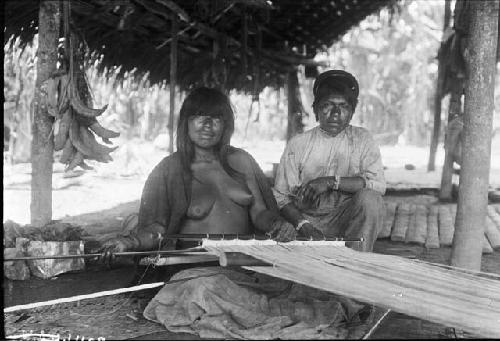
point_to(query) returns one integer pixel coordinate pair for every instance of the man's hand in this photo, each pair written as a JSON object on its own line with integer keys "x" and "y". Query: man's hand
{"x": 308, "y": 193}
{"x": 283, "y": 231}
{"x": 309, "y": 231}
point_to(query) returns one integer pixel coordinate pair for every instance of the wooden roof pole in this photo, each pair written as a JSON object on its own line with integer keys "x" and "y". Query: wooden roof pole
{"x": 438, "y": 93}
{"x": 295, "y": 109}
{"x": 244, "y": 42}
{"x": 478, "y": 121}
{"x": 173, "y": 80}
{"x": 42, "y": 145}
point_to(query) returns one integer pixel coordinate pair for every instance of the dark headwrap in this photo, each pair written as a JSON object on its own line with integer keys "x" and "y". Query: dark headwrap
{"x": 336, "y": 81}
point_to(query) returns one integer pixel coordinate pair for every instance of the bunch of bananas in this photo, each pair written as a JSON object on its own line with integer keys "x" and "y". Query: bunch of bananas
{"x": 75, "y": 122}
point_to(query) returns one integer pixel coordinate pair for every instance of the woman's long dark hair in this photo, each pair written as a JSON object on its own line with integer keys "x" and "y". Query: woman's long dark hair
{"x": 207, "y": 102}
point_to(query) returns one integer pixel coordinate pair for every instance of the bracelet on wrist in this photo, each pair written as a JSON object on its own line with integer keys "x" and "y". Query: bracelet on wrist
{"x": 333, "y": 183}
{"x": 302, "y": 223}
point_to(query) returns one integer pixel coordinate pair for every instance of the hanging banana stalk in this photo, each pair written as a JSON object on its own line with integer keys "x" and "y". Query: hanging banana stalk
{"x": 71, "y": 105}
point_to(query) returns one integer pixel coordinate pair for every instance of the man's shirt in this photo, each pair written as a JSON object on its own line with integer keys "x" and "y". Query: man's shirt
{"x": 314, "y": 154}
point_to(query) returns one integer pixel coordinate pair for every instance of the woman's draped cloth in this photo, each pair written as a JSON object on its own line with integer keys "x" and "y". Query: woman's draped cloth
{"x": 167, "y": 194}
{"x": 221, "y": 303}
{"x": 216, "y": 302}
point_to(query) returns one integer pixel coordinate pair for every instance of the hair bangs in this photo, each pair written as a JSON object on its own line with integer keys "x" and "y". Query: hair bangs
{"x": 216, "y": 107}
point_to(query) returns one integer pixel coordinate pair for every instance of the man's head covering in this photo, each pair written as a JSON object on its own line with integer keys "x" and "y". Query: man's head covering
{"x": 336, "y": 81}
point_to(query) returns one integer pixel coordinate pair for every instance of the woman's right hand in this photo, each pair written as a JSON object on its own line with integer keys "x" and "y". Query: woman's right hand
{"x": 283, "y": 231}
{"x": 110, "y": 247}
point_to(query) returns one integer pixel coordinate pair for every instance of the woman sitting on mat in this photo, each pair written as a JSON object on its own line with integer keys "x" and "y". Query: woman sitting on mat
{"x": 206, "y": 187}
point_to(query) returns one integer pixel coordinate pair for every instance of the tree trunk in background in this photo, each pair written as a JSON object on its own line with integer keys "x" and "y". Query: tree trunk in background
{"x": 478, "y": 123}
{"x": 454, "y": 110}
{"x": 438, "y": 95}
{"x": 295, "y": 109}
{"x": 42, "y": 146}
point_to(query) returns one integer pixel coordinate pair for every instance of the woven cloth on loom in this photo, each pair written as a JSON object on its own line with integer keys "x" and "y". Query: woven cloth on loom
{"x": 451, "y": 296}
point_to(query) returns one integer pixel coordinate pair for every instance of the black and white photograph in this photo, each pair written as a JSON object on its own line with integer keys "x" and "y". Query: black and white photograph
{"x": 251, "y": 169}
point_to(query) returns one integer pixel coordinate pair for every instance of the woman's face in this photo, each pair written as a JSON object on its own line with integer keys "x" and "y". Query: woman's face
{"x": 205, "y": 131}
{"x": 334, "y": 113}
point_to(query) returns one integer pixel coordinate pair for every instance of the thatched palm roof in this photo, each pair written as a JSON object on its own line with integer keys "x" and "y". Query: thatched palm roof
{"x": 136, "y": 34}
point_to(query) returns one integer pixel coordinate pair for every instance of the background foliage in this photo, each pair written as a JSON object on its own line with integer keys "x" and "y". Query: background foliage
{"x": 393, "y": 57}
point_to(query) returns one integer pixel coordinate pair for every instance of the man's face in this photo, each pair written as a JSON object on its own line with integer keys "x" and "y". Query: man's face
{"x": 334, "y": 113}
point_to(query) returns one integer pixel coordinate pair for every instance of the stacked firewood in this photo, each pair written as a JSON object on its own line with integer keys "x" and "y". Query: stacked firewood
{"x": 434, "y": 225}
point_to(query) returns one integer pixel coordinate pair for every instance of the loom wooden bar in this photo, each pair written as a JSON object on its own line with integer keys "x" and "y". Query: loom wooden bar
{"x": 432, "y": 240}
{"x": 492, "y": 233}
{"x": 171, "y": 260}
{"x": 82, "y": 297}
{"x": 245, "y": 237}
{"x": 453, "y": 297}
{"x": 390, "y": 212}
{"x": 446, "y": 228}
{"x": 401, "y": 223}
{"x": 117, "y": 254}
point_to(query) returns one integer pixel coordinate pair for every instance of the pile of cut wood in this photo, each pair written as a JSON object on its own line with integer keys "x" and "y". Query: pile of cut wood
{"x": 434, "y": 225}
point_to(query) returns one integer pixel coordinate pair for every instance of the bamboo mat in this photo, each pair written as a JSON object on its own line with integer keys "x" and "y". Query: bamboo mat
{"x": 441, "y": 294}
{"x": 433, "y": 225}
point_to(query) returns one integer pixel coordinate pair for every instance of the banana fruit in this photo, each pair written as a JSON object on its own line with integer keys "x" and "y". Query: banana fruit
{"x": 75, "y": 123}
{"x": 63, "y": 125}
{"x": 80, "y": 107}
{"x": 103, "y": 132}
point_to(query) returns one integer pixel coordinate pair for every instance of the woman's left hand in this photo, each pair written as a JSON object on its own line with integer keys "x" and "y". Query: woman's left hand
{"x": 309, "y": 231}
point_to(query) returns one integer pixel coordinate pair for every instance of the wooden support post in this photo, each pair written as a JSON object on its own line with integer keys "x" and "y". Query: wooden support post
{"x": 451, "y": 141}
{"x": 173, "y": 80}
{"x": 445, "y": 190}
{"x": 295, "y": 124}
{"x": 244, "y": 43}
{"x": 438, "y": 95}
{"x": 42, "y": 145}
{"x": 256, "y": 69}
{"x": 478, "y": 121}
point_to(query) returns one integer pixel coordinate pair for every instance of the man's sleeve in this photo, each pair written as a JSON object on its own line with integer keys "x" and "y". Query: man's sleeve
{"x": 287, "y": 177}
{"x": 371, "y": 168}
